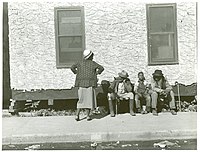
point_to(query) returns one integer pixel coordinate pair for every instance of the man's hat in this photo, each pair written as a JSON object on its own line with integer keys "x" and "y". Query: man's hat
{"x": 157, "y": 73}
{"x": 123, "y": 74}
{"x": 87, "y": 54}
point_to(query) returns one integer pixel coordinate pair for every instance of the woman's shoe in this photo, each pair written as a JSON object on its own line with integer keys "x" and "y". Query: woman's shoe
{"x": 77, "y": 118}
{"x": 89, "y": 118}
{"x": 132, "y": 113}
{"x": 112, "y": 114}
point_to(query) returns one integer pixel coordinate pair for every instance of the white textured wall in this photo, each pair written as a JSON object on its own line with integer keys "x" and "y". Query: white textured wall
{"x": 115, "y": 32}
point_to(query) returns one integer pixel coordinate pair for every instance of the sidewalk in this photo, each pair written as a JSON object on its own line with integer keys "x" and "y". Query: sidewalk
{"x": 123, "y": 127}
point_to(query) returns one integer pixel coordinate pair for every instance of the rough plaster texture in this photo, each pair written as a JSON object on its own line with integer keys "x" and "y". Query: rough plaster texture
{"x": 115, "y": 32}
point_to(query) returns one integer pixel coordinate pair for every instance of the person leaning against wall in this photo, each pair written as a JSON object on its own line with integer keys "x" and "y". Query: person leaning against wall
{"x": 86, "y": 80}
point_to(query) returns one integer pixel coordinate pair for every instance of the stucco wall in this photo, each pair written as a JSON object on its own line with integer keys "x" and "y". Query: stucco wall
{"x": 115, "y": 32}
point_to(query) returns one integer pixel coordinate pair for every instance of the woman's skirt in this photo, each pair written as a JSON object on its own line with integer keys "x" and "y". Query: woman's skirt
{"x": 87, "y": 98}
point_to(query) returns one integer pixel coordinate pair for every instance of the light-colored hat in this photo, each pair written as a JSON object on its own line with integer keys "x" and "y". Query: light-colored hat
{"x": 87, "y": 54}
{"x": 123, "y": 74}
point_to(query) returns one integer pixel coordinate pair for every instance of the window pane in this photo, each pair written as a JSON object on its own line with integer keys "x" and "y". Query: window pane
{"x": 69, "y": 22}
{"x": 70, "y": 57}
{"x": 161, "y": 19}
{"x": 69, "y": 29}
{"x": 162, "y": 47}
{"x": 70, "y": 49}
{"x": 69, "y": 13}
{"x": 70, "y": 42}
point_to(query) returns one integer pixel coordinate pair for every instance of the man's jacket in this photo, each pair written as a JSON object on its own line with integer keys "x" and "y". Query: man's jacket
{"x": 114, "y": 85}
{"x": 162, "y": 84}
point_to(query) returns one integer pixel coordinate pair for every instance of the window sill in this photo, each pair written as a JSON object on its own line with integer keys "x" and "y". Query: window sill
{"x": 163, "y": 63}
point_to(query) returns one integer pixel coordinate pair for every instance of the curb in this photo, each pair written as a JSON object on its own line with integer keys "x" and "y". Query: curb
{"x": 100, "y": 137}
{"x": 5, "y": 113}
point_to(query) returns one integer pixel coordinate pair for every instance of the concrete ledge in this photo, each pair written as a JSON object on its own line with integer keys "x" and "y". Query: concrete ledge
{"x": 101, "y": 136}
{"x": 58, "y": 94}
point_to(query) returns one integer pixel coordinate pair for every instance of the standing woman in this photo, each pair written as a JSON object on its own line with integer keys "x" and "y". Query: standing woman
{"x": 86, "y": 80}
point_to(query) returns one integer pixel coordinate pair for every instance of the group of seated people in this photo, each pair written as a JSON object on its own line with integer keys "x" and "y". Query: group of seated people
{"x": 143, "y": 94}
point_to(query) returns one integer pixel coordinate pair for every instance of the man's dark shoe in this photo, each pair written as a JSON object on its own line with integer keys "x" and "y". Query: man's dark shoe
{"x": 148, "y": 109}
{"x": 154, "y": 112}
{"x": 144, "y": 112}
{"x": 77, "y": 118}
{"x": 173, "y": 112}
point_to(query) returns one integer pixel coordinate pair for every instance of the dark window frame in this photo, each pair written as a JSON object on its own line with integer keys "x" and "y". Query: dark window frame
{"x": 149, "y": 33}
{"x": 56, "y": 17}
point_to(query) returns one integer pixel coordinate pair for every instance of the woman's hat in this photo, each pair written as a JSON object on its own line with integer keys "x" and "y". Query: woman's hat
{"x": 123, "y": 74}
{"x": 87, "y": 54}
{"x": 157, "y": 73}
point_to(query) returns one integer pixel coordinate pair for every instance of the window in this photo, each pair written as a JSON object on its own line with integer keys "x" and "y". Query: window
{"x": 162, "y": 34}
{"x": 69, "y": 35}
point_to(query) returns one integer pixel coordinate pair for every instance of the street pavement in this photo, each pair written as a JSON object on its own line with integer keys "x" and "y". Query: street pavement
{"x": 123, "y": 127}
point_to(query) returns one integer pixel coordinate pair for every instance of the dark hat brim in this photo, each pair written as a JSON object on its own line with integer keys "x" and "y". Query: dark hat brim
{"x": 157, "y": 74}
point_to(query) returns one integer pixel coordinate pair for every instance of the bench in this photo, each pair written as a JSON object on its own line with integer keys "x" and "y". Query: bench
{"x": 64, "y": 94}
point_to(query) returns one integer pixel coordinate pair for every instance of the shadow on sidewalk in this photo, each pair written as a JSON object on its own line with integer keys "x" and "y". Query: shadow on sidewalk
{"x": 99, "y": 116}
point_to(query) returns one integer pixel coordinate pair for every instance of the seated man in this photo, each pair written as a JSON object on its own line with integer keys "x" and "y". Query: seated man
{"x": 121, "y": 87}
{"x": 163, "y": 91}
{"x": 142, "y": 96}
